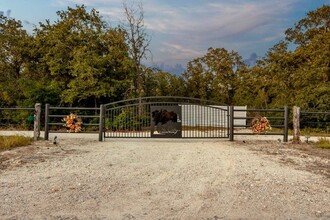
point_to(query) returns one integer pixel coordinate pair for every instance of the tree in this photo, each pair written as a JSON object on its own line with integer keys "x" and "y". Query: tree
{"x": 14, "y": 50}
{"x": 312, "y": 74}
{"x": 316, "y": 23}
{"x": 300, "y": 77}
{"x": 86, "y": 58}
{"x": 274, "y": 79}
{"x": 138, "y": 42}
{"x": 197, "y": 80}
{"x": 216, "y": 75}
{"x": 160, "y": 83}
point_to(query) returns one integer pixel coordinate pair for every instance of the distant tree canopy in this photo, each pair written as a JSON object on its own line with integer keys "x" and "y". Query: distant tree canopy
{"x": 80, "y": 60}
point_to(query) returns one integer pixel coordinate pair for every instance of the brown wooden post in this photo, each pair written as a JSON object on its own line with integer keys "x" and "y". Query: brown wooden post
{"x": 37, "y": 113}
{"x": 296, "y": 125}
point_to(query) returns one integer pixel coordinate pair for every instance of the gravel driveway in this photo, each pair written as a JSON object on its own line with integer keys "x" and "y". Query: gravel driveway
{"x": 81, "y": 178}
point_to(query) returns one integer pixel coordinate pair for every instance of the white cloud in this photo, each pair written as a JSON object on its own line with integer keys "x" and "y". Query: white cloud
{"x": 185, "y": 29}
{"x": 178, "y": 51}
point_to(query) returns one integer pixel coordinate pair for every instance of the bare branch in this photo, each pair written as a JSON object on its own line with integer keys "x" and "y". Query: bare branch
{"x": 138, "y": 40}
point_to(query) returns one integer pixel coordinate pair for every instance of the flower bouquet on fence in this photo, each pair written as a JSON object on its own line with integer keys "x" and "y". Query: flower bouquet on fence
{"x": 260, "y": 125}
{"x": 72, "y": 123}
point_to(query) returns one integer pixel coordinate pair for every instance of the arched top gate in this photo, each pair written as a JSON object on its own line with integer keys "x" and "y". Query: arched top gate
{"x": 166, "y": 117}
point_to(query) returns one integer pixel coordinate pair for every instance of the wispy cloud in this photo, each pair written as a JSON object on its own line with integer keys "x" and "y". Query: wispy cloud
{"x": 185, "y": 29}
{"x": 178, "y": 52}
{"x": 222, "y": 19}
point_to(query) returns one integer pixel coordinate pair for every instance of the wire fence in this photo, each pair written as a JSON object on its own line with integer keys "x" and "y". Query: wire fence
{"x": 315, "y": 122}
{"x": 94, "y": 120}
{"x": 15, "y": 118}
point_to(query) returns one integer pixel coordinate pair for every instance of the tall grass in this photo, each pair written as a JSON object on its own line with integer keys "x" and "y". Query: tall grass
{"x": 315, "y": 132}
{"x": 9, "y": 142}
{"x": 323, "y": 143}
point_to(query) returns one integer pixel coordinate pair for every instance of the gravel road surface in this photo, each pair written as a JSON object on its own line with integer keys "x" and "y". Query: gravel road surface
{"x": 81, "y": 178}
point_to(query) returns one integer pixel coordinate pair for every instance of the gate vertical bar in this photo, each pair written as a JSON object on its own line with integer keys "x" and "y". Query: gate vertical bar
{"x": 231, "y": 123}
{"x": 286, "y": 123}
{"x": 47, "y": 122}
{"x": 101, "y": 123}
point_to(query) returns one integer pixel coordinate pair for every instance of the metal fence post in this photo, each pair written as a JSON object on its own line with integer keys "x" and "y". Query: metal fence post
{"x": 101, "y": 123}
{"x": 47, "y": 122}
{"x": 286, "y": 123}
{"x": 37, "y": 113}
{"x": 231, "y": 123}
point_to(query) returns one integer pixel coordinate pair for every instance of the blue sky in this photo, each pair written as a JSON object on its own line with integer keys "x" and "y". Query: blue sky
{"x": 182, "y": 30}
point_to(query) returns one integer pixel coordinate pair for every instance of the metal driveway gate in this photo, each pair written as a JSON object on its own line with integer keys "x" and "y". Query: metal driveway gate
{"x": 166, "y": 117}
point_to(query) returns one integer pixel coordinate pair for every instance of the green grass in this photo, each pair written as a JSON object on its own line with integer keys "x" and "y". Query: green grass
{"x": 323, "y": 143}
{"x": 9, "y": 142}
{"x": 315, "y": 132}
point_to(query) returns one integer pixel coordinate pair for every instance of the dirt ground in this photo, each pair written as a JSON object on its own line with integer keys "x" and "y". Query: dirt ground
{"x": 81, "y": 178}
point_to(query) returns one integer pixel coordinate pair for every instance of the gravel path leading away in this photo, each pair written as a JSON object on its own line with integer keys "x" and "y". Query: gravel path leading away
{"x": 81, "y": 178}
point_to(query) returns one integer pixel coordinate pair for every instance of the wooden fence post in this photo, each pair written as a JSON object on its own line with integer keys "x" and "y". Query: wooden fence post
{"x": 101, "y": 122}
{"x": 296, "y": 125}
{"x": 37, "y": 113}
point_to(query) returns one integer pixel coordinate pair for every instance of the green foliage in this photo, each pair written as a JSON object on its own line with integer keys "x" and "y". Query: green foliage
{"x": 13, "y": 55}
{"x": 299, "y": 77}
{"x": 316, "y": 23}
{"x": 77, "y": 60}
{"x": 16, "y": 119}
{"x": 128, "y": 120}
{"x": 159, "y": 83}
{"x": 87, "y": 59}
{"x": 215, "y": 76}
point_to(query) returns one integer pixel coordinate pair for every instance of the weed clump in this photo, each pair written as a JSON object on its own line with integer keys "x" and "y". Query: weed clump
{"x": 9, "y": 142}
{"x": 323, "y": 143}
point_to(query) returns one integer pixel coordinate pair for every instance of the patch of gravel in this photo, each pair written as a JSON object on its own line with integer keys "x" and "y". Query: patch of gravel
{"x": 81, "y": 178}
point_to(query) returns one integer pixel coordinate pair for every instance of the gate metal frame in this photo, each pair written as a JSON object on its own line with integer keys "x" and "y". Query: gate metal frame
{"x": 283, "y": 121}
{"x": 132, "y": 118}
{"x": 53, "y": 119}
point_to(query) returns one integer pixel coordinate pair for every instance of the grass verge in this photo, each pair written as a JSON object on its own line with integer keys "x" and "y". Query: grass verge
{"x": 9, "y": 142}
{"x": 323, "y": 143}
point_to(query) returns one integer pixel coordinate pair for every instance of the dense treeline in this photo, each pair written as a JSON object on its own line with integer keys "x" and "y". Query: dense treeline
{"x": 79, "y": 60}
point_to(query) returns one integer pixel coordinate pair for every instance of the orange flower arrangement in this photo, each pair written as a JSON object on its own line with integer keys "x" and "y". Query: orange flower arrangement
{"x": 72, "y": 123}
{"x": 259, "y": 125}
